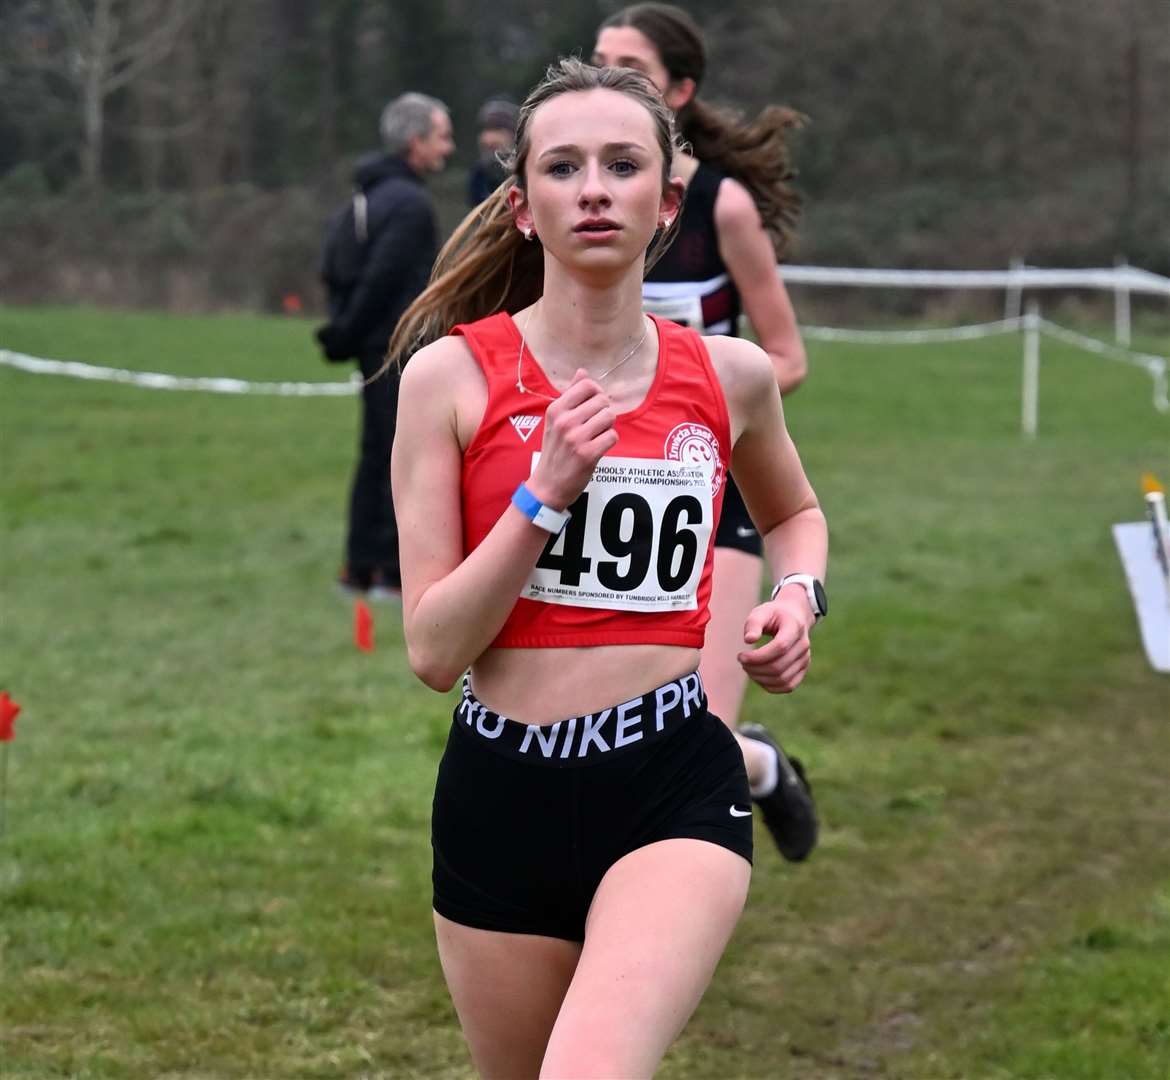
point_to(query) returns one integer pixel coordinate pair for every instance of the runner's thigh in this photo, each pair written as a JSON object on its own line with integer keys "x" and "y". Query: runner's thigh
{"x": 658, "y": 924}
{"x": 507, "y": 990}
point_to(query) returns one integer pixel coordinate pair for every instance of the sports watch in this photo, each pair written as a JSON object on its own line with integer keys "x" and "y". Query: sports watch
{"x": 545, "y": 517}
{"x": 817, "y": 599}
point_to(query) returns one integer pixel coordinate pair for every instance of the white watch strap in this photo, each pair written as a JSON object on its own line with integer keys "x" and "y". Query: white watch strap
{"x": 787, "y": 579}
{"x": 805, "y": 580}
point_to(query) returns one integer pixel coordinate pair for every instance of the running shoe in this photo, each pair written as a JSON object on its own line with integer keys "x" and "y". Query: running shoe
{"x": 788, "y": 809}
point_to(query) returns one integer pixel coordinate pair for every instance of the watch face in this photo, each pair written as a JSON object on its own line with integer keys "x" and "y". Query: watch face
{"x": 822, "y": 598}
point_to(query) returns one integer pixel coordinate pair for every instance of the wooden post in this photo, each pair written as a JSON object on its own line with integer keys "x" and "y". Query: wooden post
{"x": 1030, "y": 396}
{"x": 1121, "y": 324}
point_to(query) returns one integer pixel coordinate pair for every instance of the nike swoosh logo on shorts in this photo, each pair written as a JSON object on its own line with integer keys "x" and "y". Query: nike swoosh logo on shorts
{"x": 739, "y": 813}
{"x": 743, "y": 532}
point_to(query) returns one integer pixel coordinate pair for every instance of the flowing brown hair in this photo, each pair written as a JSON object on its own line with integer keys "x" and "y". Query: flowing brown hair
{"x": 754, "y": 152}
{"x": 486, "y": 266}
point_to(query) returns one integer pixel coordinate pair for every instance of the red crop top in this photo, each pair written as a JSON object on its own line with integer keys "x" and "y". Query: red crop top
{"x": 633, "y": 565}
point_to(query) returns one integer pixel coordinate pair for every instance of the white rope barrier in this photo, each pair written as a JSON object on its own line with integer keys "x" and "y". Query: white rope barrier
{"x": 1125, "y": 278}
{"x": 154, "y": 380}
{"x": 1155, "y": 365}
{"x": 912, "y": 337}
{"x": 1031, "y": 324}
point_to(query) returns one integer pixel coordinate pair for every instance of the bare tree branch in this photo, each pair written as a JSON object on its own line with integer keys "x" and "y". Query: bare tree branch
{"x": 75, "y": 22}
{"x": 139, "y": 56}
{"x": 160, "y": 132}
{"x": 105, "y": 52}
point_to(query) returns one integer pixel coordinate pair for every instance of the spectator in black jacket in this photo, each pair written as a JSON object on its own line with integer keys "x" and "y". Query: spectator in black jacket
{"x": 496, "y": 123}
{"x": 377, "y": 259}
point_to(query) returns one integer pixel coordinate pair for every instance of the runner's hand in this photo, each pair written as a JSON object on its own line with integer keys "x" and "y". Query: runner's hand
{"x": 778, "y": 665}
{"x": 578, "y": 431}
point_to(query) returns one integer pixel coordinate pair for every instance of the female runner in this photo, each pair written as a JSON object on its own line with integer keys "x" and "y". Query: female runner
{"x": 558, "y": 468}
{"x": 737, "y": 221}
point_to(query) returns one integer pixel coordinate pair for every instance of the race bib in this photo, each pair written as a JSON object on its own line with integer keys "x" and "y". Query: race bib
{"x": 685, "y": 310}
{"x": 636, "y": 541}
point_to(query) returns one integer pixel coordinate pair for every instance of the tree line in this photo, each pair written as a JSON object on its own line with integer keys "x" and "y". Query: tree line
{"x": 945, "y": 132}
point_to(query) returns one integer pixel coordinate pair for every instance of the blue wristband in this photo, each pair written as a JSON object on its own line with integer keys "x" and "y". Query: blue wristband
{"x": 527, "y": 503}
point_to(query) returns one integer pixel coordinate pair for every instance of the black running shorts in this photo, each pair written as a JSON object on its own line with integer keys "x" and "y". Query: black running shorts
{"x": 527, "y": 820}
{"x": 736, "y": 528}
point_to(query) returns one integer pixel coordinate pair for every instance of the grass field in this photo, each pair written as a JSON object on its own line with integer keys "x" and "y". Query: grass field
{"x": 217, "y": 856}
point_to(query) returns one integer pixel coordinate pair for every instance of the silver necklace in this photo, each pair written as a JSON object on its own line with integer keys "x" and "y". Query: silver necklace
{"x": 608, "y": 371}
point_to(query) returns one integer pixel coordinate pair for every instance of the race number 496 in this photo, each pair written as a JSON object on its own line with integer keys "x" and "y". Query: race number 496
{"x": 636, "y": 540}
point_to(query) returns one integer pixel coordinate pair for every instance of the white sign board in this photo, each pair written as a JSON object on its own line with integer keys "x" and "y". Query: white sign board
{"x": 1147, "y": 586}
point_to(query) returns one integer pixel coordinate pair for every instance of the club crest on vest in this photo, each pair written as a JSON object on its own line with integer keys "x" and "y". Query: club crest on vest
{"x": 696, "y": 444}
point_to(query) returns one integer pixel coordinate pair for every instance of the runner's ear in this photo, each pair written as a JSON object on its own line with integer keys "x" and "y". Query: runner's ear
{"x": 672, "y": 200}
{"x": 521, "y": 212}
{"x": 679, "y": 93}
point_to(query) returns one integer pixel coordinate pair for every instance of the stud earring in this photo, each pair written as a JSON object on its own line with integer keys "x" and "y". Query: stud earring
{"x": 527, "y": 234}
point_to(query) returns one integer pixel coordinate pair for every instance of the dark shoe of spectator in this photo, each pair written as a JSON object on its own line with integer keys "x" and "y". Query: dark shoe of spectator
{"x": 385, "y": 585}
{"x": 789, "y": 812}
{"x": 355, "y": 580}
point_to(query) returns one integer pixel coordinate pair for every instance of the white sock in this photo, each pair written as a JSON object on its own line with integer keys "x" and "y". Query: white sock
{"x": 771, "y": 775}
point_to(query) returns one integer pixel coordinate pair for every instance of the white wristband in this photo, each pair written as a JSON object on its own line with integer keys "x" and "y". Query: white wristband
{"x": 545, "y": 517}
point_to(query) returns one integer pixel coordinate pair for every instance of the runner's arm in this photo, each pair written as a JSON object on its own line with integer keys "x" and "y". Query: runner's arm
{"x": 784, "y": 507}
{"x": 751, "y": 261}
{"x": 454, "y": 606}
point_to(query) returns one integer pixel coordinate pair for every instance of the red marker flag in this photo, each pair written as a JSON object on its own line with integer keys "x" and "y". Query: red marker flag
{"x": 9, "y": 711}
{"x": 363, "y": 626}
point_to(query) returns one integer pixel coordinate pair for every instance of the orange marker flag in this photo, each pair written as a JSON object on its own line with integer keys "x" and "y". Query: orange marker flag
{"x": 1155, "y": 495}
{"x": 363, "y": 626}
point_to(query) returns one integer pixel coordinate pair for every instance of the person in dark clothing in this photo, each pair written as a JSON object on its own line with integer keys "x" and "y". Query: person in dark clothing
{"x": 373, "y": 269}
{"x": 496, "y": 124}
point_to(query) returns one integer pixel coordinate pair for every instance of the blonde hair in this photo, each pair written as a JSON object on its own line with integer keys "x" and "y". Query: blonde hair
{"x": 487, "y": 266}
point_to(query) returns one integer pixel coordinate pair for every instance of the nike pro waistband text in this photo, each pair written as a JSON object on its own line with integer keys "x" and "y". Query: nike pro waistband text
{"x": 594, "y": 737}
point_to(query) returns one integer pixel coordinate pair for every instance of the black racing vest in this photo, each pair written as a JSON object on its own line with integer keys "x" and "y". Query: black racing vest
{"x": 690, "y": 283}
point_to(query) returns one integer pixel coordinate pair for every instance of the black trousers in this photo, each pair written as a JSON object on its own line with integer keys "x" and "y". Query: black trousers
{"x": 373, "y": 531}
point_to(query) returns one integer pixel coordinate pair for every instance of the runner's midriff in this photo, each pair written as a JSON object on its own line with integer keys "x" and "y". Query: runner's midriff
{"x": 581, "y": 679}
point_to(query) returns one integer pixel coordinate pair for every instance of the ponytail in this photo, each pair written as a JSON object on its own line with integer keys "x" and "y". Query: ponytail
{"x": 755, "y": 153}
{"x": 486, "y": 266}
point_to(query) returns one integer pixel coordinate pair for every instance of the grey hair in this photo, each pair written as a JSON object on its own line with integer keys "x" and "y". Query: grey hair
{"x": 408, "y": 116}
